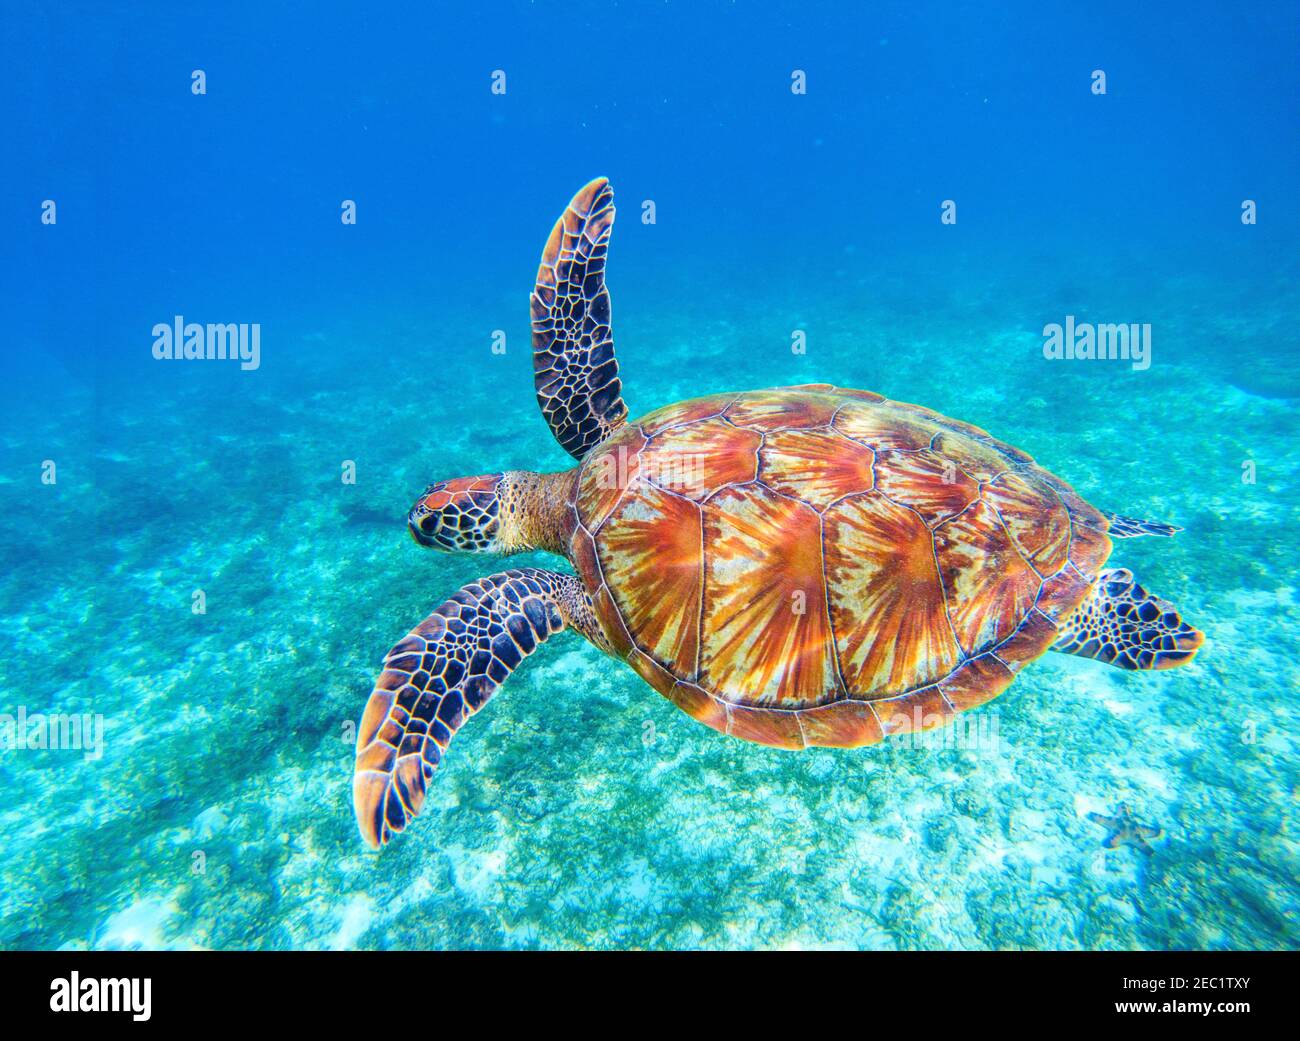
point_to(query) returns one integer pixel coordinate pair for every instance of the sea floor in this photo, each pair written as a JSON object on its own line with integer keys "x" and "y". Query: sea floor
{"x": 580, "y": 809}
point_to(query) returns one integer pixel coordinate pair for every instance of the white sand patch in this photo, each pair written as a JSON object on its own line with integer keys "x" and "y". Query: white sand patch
{"x": 138, "y": 927}
{"x": 1086, "y": 804}
{"x": 209, "y": 822}
{"x": 1261, "y": 601}
{"x": 882, "y": 856}
{"x": 356, "y": 916}
{"x": 477, "y": 874}
{"x": 991, "y": 852}
{"x": 1144, "y": 779}
{"x": 1049, "y": 877}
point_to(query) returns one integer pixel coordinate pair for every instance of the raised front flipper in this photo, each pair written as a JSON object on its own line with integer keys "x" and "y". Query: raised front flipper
{"x": 1123, "y": 625}
{"x": 441, "y": 674}
{"x": 574, "y": 368}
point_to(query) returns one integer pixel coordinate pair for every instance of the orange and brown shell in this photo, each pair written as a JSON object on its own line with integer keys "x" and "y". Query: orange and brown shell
{"x": 819, "y": 566}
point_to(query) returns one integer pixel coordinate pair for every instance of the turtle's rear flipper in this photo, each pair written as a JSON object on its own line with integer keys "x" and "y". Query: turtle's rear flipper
{"x": 1122, "y": 527}
{"x": 1123, "y": 625}
{"x": 441, "y": 674}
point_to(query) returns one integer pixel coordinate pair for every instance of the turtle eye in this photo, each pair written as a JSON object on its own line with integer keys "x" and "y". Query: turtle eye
{"x": 423, "y": 523}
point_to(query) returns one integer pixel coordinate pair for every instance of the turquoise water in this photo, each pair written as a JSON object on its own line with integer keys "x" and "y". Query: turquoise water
{"x": 580, "y": 809}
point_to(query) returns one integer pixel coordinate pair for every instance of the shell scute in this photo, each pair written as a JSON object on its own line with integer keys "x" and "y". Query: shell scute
{"x": 881, "y": 427}
{"x": 699, "y": 704}
{"x": 696, "y": 459}
{"x": 764, "y": 629}
{"x": 781, "y": 729}
{"x": 607, "y": 473}
{"x": 815, "y": 466}
{"x": 843, "y": 724}
{"x": 914, "y": 712}
{"x": 886, "y": 598}
{"x": 782, "y": 410}
{"x": 820, "y": 566}
{"x": 1035, "y": 518}
{"x": 983, "y": 460}
{"x": 611, "y": 621}
{"x": 1036, "y": 634}
{"x": 656, "y": 535}
{"x": 1062, "y": 593}
{"x": 840, "y": 392}
{"x": 989, "y": 586}
{"x": 685, "y": 412}
{"x": 979, "y": 680}
{"x": 931, "y": 484}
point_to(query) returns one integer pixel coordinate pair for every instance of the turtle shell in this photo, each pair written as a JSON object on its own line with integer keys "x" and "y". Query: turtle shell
{"x": 820, "y": 566}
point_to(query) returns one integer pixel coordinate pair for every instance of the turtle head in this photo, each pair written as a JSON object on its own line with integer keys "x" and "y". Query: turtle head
{"x": 460, "y": 516}
{"x": 497, "y": 513}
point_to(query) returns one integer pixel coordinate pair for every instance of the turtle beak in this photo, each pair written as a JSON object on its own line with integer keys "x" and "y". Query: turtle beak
{"x": 423, "y": 522}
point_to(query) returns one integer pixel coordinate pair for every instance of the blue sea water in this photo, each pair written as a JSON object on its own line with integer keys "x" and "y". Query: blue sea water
{"x": 580, "y": 809}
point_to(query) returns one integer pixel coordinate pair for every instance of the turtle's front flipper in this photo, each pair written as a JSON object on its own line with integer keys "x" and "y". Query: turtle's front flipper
{"x": 574, "y": 368}
{"x": 1122, "y": 624}
{"x": 441, "y": 674}
{"x": 1122, "y": 527}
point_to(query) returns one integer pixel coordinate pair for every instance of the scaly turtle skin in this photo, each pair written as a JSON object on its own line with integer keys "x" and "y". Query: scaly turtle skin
{"x": 802, "y": 566}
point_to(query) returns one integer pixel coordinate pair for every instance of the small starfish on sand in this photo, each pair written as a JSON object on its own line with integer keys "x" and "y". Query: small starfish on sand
{"x": 1125, "y": 831}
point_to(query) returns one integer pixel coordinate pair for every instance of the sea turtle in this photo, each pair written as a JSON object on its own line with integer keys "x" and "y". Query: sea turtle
{"x": 799, "y": 566}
